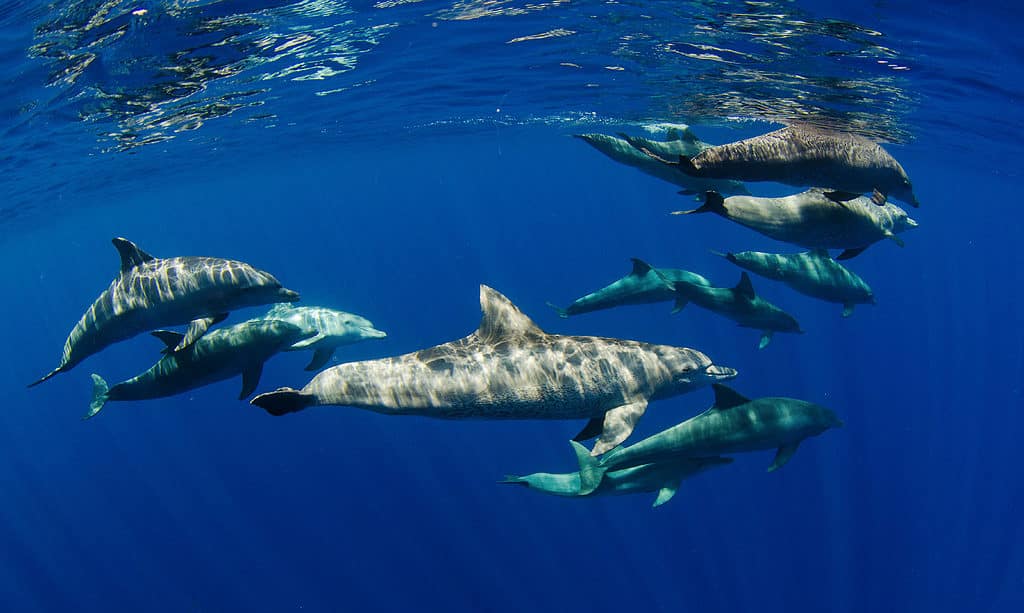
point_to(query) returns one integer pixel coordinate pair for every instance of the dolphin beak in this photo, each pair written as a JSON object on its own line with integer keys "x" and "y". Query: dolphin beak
{"x": 911, "y": 223}
{"x": 287, "y": 295}
{"x": 720, "y": 372}
{"x": 375, "y": 333}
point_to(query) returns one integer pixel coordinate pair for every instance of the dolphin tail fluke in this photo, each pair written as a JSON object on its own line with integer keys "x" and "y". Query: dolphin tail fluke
{"x": 515, "y": 480}
{"x": 591, "y": 471}
{"x": 714, "y": 202}
{"x": 561, "y": 312}
{"x": 99, "y": 396}
{"x": 53, "y": 373}
{"x": 283, "y": 400}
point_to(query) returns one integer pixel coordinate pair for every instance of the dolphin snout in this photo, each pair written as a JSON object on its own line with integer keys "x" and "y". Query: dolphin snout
{"x": 720, "y": 372}
{"x": 287, "y": 295}
{"x": 911, "y": 223}
{"x": 374, "y": 333}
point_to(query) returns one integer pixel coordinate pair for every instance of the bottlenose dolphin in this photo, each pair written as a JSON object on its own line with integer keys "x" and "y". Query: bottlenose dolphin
{"x": 813, "y": 273}
{"x": 330, "y": 329}
{"x": 733, "y": 424}
{"x": 805, "y": 156}
{"x": 813, "y": 220}
{"x": 152, "y": 293}
{"x": 681, "y": 140}
{"x": 740, "y": 304}
{"x": 643, "y": 285}
{"x": 511, "y": 369}
{"x": 220, "y": 354}
{"x": 661, "y": 477}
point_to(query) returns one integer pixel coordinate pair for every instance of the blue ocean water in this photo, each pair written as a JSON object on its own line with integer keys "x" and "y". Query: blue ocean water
{"x": 387, "y": 158}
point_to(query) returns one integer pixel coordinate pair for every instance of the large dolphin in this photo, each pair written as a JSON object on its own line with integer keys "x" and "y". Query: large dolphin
{"x": 813, "y": 273}
{"x": 681, "y": 140}
{"x": 733, "y": 424}
{"x": 330, "y": 329}
{"x": 220, "y": 354}
{"x": 643, "y": 285}
{"x": 813, "y": 219}
{"x": 805, "y": 156}
{"x": 511, "y": 369}
{"x": 151, "y": 293}
{"x": 661, "y": 477}
{"x": 740, "y": 304}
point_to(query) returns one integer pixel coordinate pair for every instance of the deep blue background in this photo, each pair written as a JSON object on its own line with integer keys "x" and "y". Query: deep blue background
{"x": 204, "y": 503}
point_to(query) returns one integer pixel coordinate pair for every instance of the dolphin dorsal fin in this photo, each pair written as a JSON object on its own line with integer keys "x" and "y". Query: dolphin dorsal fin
{"x": 502, "y": 319}
{"x": 640, "y": 267}
{"x": 745, "y": 288}
{"x": 131, "y": 255}
{"x": 727, "y": 398}
{"x": 168, "y": 337}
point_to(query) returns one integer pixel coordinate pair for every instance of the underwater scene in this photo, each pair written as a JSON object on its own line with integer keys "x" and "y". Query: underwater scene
{"x": 503, "y": 305}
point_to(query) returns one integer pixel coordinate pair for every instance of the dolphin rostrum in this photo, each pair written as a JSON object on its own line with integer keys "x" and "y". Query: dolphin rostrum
{"x": 330, "y": 328}
{"x": 643, "y": 285}
{"x": 813, "y": 273}
{"x": 151, "y": 293}
{"x": 813, "y": 219}
{"x": 220, "y": 354}
{"x": 661, "y": 477}
{"x": 511, "y": 369}
{"x": 740, "y": 304}
{"x": 681, "y": 140}
{"x": 805, "y": 156}
{"x": 733, "y": 424}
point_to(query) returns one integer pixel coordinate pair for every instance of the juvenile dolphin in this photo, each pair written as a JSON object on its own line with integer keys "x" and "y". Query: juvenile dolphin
{"x": 813, "y": 273}
{"x": 733, "y": 424}
{"x": 511, "y": 369}
{"x": 740, "y": 304}
{"x": 812, "y": 219}
{"x": 661, "y": 477}
{"x": 152, "y": 293}
{"x": 804, "y": 156}
{"x": 681, "y": 140}
{"x": 220, "y": 354}
{"x": 643, "y": 285}
{"x": 330, "y": 329}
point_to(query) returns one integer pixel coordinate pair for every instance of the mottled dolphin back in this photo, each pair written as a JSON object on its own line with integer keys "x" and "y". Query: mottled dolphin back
{"x": 502, "y": 319}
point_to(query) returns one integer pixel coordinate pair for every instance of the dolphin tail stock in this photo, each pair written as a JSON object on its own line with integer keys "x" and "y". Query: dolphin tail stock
{"x": 53, "y": 373}
{"x": 99, "y": 396}
{"x": 591, "y": 470}
{"x": 564, "y": 314}
{"x": 283, "y": 400}
{"x": 714, "y": 202}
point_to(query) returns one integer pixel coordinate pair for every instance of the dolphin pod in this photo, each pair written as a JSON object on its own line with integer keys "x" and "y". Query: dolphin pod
{"x": 511, "y": 369}
{"x": 151, "y": 293}
{"x": 219, "y": 354}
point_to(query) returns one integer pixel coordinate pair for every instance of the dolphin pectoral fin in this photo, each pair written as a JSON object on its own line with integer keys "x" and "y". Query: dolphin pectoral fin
{"x": 766, "y": 338}
{"x": 320, "y": 357}
{"x": 848, "y": 309}
{"x": 250, "y": 379}
{"x": 899, "y": 241}
{"x": 169, "y": 338}
{"x": 878, "y": 197}
{"x": 196, "y": 329}
{"x": 850, "y": 253}
{"x": 618, "y": 425}
{"x": 99, "y": 396}
{"x": 591, "y": 472}
{"x": 840, "y": 197}
{"x": 561, "y": 312}
{"x": 678, "y": 306}
{"x": 783, "y": 455}
{"x": 306, "y": 342}
{"x": 666, "y": 493}
{"x": 591, "y": 430}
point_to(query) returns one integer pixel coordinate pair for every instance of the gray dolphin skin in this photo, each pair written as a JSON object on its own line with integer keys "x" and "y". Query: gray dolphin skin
{"x": 510, "y": 369}
{"x": 219, "y": 354}
{"x": 681, "y": 140}
{"x": 733, "y": 424}
{"x": 643, "y": 285}
{"x": 813, "y": 273}
{"x": 740, "y": 304}
{"x": 661, "y": 477}
{"x": 330, "y": 329}
{"x": 812, "y": 219}
{"x": 806, "y": 156}
{"x": 151, "y": 293}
